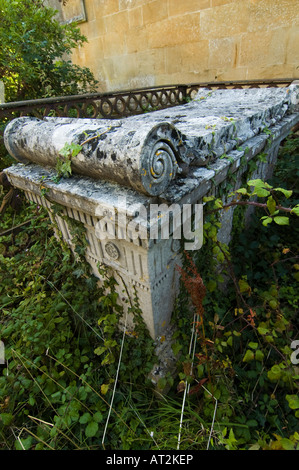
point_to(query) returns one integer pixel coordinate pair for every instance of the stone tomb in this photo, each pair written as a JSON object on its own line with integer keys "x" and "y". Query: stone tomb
{"x": 137, "y": 182}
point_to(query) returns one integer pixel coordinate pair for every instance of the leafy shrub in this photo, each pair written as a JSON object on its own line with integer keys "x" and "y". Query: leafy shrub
{"x": 34, "y": 47}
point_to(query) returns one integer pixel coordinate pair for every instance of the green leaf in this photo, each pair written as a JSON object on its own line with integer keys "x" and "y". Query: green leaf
{"x": 255, "y": 447}
{"x": 287, "y": 444}
{"x": 286, "y": 192}
{"x": 249, "y": 356}
{"x": 242, "y": 191}
{"x": 98, "y": 417}
{"x": 259, "y": 355}
{"x": 22, "y": 444}
{"x": 162, "y": 383}
{"x": 252, "y": 423}
{"x": 75, "y": 149}
{"x": 231, "y": 441}
{"x": 6, "y": 418}
{"x": 275, "y": 373}
{"x": 295, "y": 210}
{"x": 261, "y": 192}
{"x": 70, "y": 150}
{"x": 211, "y": 285}
{"x": 176, "y": 347}
{"x": 65, "y": 151}
{"x": 108, "y": 359}
{"x": 262, "y": 157}
{"x": 266, "y": 220}
{"x": 271, "y": 204}
{"x": 281, "y": 220}
{"x": 100, "y": 350}
{"x": 208, "y": 198}
{"x": 244, "y": 286}
{"x": 31, "y": 401}
{"x": 218, "y": 204}
{"x": 104, "y": 389}
{"x": 261, "y": 188}
{"x": 262, "y": 330}
{"x": 293, "y": 401}
{"x": 91, "y": 429}
{"x": 85, "y": 418}
{"x": 220, "y": 257}
{"x": 258, "y": 183}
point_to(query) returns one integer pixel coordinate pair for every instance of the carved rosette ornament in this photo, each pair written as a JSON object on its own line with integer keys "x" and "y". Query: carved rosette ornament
{"x": 112, "y": 250}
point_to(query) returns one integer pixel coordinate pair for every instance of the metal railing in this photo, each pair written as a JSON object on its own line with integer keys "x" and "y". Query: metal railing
{"x": 123, "y": 103}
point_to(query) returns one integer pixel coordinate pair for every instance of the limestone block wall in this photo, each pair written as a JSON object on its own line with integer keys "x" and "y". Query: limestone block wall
{"x": 137, "y": 43}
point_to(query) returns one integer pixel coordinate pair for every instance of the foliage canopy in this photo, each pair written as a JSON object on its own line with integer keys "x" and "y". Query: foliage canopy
{"x": 34, "y": 54}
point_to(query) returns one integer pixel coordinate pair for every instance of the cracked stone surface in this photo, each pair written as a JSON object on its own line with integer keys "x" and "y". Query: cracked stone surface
{"x": 149, "y": 152}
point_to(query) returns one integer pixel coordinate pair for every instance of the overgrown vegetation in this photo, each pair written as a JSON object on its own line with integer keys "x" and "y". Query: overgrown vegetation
{"x": 53, "y": 320}
{"x": 35, "y": 59}
{"x": 73, "y": 380}
{"x": 34, "y": 54}
{"x": 246, "y": 348}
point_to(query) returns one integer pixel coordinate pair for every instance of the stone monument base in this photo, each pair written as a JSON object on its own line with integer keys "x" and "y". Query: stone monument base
{"x": 138, "y": 217}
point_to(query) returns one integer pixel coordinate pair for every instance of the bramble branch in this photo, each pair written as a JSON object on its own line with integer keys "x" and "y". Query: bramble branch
{"x": 250, "y": 203}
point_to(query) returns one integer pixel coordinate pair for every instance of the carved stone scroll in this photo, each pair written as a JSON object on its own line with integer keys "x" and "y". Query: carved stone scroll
{"x": 142, "y": 156}
{"x": 149, "y": 152}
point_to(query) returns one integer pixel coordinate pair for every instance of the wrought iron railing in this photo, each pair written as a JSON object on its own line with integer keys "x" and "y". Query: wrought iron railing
{"x": 122, "y": 103}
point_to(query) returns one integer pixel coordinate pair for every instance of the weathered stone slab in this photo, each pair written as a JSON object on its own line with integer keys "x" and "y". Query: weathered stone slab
{"x": 217, "y": 170}
{"x": 148, "y": 152}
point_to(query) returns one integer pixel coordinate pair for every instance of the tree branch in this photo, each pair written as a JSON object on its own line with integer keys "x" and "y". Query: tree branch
{"x": 250, "y": 203}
